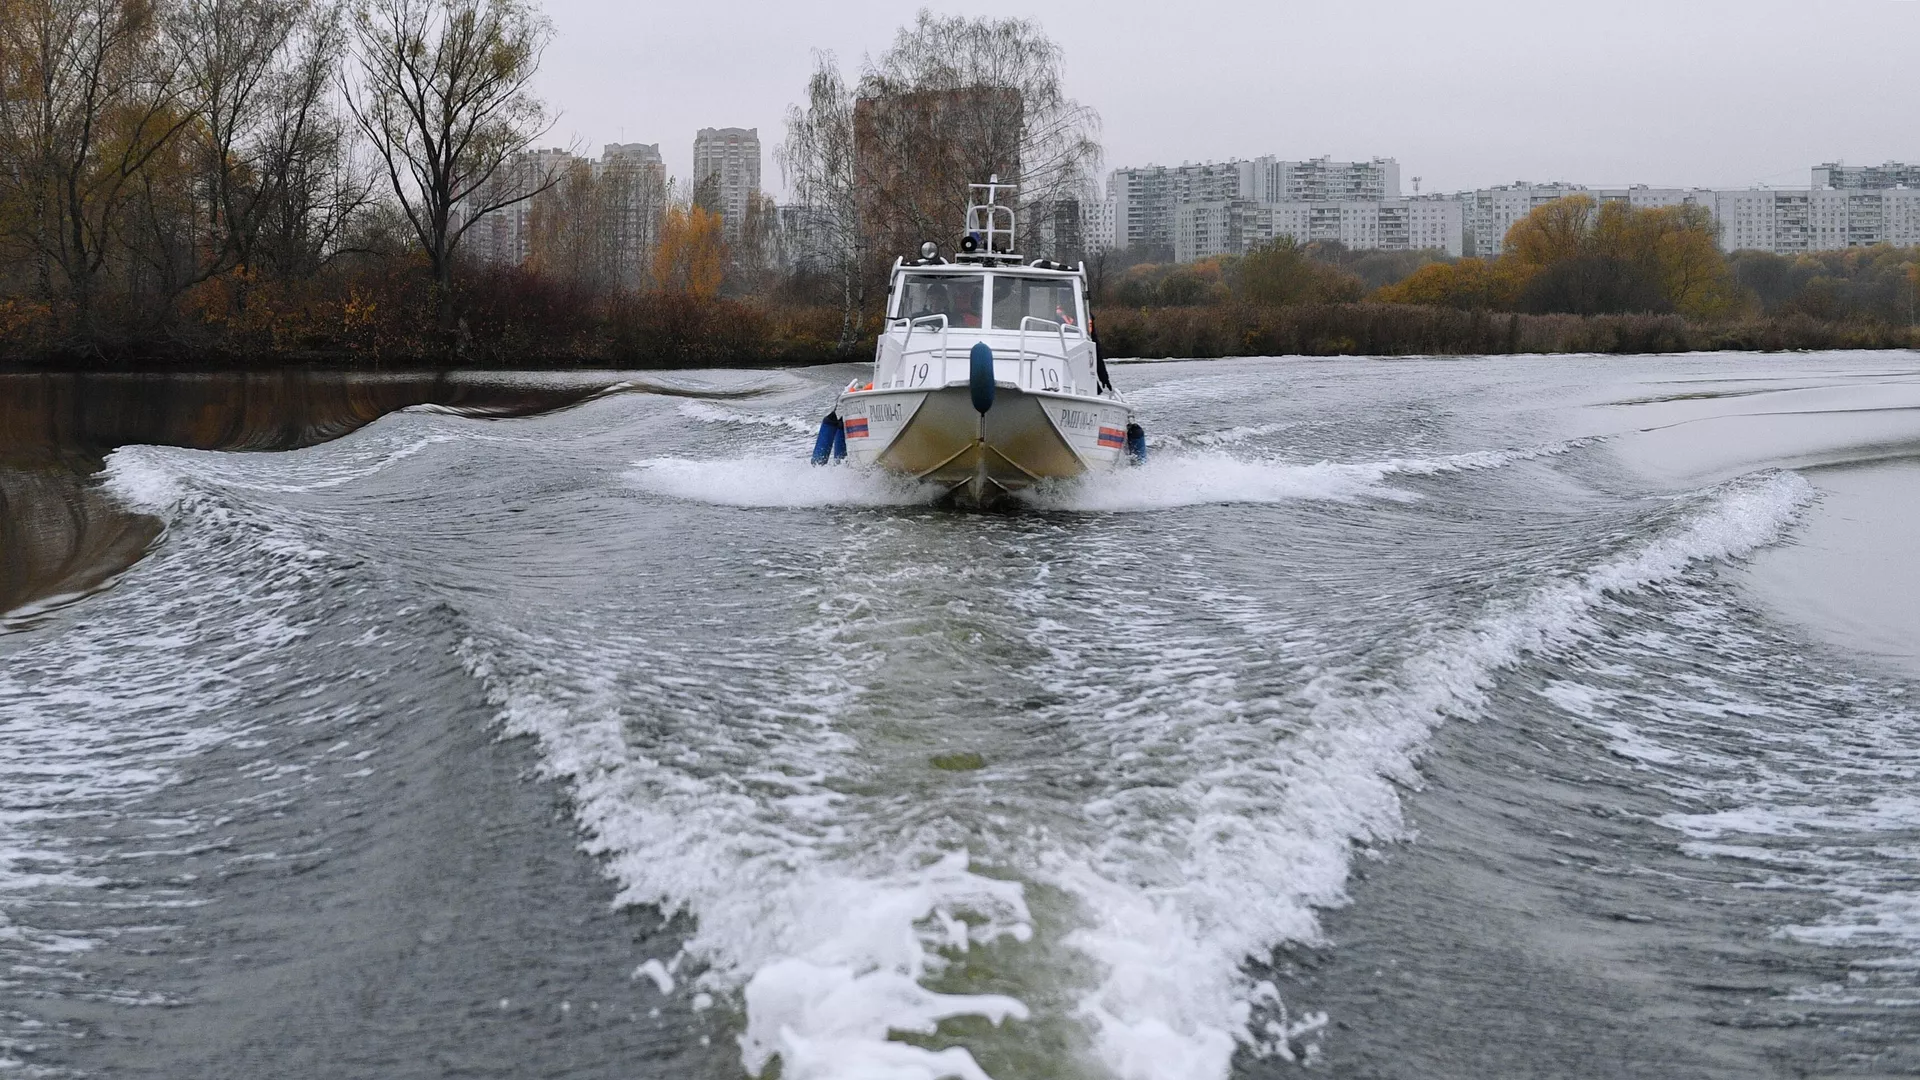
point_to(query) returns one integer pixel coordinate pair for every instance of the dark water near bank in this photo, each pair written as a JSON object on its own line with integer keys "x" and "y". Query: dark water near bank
{"x": 1492, "y": 718}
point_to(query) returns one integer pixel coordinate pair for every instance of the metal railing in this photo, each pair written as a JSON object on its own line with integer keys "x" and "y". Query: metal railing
{"x": 1027, "y": 356}
{"x": 901, "y": 377}
{"x": 1031, "y": 357}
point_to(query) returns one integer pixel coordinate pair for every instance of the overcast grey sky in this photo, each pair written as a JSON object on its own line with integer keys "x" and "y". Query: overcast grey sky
{"x": 1465, "y": 93}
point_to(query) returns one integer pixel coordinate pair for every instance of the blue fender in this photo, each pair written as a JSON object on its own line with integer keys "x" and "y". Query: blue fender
{"x": 980, "y": 377}
{"x": 1137, "y": 444}
{"x": 832, "y": 440}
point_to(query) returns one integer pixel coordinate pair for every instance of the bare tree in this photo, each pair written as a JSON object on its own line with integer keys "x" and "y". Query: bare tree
{"x": 311, "y": 185}
{"x": 956, "y": 99}
{"x": 631, "y": 190}
{"x": 445, "y": 99}
{"x": 817, "y": 160}
{"x": 91, "y": 101}
{"x": 272, "y": 178}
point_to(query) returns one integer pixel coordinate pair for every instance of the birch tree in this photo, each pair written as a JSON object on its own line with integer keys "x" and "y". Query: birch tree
{"x": 955, "y": 100}
{"x": 818, "y": 163}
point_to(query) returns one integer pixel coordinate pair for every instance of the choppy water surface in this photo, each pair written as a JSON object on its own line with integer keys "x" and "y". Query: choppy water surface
{"x": 1493, "y": 718}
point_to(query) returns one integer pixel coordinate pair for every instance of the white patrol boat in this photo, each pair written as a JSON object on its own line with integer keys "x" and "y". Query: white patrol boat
{"x": 986, "y": 379}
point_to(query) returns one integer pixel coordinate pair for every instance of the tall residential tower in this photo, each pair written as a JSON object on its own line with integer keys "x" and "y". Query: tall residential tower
{"x": 730, "y": 159}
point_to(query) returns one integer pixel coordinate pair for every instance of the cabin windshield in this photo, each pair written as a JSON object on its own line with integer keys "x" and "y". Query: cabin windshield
{"x": 957, "y": 296}
{"x": 1017, "y": 298}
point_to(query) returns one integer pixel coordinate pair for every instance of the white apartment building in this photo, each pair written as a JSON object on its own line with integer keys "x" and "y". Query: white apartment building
{"x": 1790, "y": 222}
{"x": 731, "y": 157}
{"x": 1428, "y": 222}
{"x": 1096, "y": 224}
{"x": 1270, "y": 180}
{"x": 1144, "y": 199}
{"x": 1204, "y": 228}
{"x": 1893, "y": 174}
{"x": 1231, "y": 226}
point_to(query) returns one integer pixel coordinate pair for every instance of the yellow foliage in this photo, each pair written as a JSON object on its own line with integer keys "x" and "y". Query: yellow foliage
{"x": 1574, "y": 254}
{"x": 1558, "y": 231}
{"x": 1470, "y": 284}
{"x": 691, "y": 257}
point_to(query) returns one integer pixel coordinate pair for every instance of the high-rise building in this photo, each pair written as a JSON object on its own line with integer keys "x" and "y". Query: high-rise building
{"x": 1096, "y": 224}
{"x": 1232, "y": 226}
{"x": 632, "y": 187}
{"x": 1146, "y": 199}
{"x": 1893, "y": 174}
{"x": 1268, "y": 179}
{"x": 503, "y": 235}
{"x": 729, "y": 159}
{"x": 1492, "y": 212}
{"x": 1422, "y": 223}
{"x": 1793, "y": 221}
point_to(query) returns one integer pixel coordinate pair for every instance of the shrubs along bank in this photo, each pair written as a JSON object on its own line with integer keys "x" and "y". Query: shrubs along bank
{"x": 1372, "y": 328}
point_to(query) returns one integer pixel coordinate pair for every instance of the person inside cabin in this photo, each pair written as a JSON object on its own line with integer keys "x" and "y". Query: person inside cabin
{"x": 966, "y": 308}
{"x": 937, "y": 302}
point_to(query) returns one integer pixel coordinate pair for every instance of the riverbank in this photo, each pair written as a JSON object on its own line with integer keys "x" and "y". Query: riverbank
{"x": 739, "y": 335}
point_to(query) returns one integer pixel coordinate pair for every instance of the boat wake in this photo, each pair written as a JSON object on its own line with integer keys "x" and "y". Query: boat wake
{"x": 775, "y": 482}
{"x": 1169, "y": 480}
{"x": 1105, "y": 932}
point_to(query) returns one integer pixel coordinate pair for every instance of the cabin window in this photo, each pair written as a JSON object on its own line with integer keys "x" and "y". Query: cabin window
{"x": 1017, "y": 298}
{"x": 957, "y": 296}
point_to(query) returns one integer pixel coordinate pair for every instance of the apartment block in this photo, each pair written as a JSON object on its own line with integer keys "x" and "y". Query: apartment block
{"x": 1427, "y": 222}
{"x": 1270, "y": 180}
{"x": 1096, "y": 224}
{"x": 1793, "y": 221}
{"x": 632, "y": 183}
{"x": 1492, "y": 212}
{"x": 1893, "y": 174}
{"x": 729, "y": 158}
{"x": 1145, "y": 199}
{"x": 1231, "y": 226}
{"x": 1203, "y": 228}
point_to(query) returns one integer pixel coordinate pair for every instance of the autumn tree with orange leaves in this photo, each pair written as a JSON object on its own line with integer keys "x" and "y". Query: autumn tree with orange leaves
{"x": 692, "y": 257}
{"x": 1577, "y": 256}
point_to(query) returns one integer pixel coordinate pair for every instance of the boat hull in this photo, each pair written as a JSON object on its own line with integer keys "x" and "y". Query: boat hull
{"x": 937, "y": 436}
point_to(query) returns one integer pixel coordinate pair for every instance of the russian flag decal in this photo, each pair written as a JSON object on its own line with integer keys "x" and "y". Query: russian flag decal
{"x": 1110, "y": 437}
{"x": 856, "y": 427}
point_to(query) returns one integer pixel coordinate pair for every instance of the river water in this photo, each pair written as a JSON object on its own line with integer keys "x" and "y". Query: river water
{"x": 1501, "y": 717}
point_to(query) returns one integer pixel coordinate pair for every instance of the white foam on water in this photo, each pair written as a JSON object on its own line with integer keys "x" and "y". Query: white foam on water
{"x": 108, "y": 707}
{"x": 1213, "y": 477}
{"x": 742, "y": 827}
{"x": 776, "y": 482}
{"x": 711, "y": 413}
{"x": 1267, "y": 839}
{"x": 827, "y": 923}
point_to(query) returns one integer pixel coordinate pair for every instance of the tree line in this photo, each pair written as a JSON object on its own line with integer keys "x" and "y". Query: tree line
{"x": 266, "y": 179}
{"x": 257, "y": 180}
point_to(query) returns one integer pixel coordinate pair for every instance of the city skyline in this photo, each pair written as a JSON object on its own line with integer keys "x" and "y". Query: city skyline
{"x": 1708, "y": 94}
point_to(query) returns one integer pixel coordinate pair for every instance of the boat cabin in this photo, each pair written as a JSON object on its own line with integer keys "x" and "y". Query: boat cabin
{"x": 1033, "y": 315}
